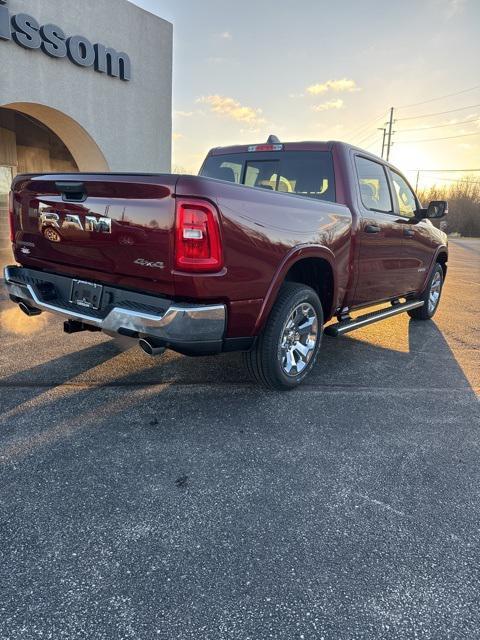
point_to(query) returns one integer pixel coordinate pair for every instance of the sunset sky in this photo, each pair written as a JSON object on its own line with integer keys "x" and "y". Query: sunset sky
{"x": 328, "y": 70}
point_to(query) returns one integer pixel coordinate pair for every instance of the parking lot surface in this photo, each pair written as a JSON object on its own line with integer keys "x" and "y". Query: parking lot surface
{"x": 171, "y": 498}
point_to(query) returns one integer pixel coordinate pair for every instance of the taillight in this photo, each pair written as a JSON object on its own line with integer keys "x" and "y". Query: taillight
{"x": 11, "y": 216}
{"x": 198, "y": 246}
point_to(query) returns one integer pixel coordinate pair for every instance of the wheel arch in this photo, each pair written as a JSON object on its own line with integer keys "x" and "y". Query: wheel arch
{"x": 312, "y": 265}
{"x": 442, "y": 259}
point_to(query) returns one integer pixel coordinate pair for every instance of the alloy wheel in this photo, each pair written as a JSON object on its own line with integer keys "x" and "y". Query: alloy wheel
{"x": 299, "y": 339}
{"x": 435, "y": 290}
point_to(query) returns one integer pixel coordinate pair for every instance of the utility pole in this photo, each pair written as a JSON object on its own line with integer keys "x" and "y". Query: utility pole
{"x": 383, "y": 139}
{"x": 418, "y": 179}
{"x": 390, "y": 125}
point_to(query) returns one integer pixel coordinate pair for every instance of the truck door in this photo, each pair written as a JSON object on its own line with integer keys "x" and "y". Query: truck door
{"x": 382, "y": 271}
{"x": 418, "y": 248}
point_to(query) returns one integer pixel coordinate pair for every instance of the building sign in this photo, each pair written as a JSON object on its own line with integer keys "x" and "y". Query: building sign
{"x": 52, "y": 40}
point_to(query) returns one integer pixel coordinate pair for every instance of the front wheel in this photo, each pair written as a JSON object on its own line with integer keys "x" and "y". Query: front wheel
{"x": 286, "y": 350}
{"x": 430, "y": 297}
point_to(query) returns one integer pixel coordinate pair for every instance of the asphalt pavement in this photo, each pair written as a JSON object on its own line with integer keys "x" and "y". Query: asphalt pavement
{"x": 171, "y": 498}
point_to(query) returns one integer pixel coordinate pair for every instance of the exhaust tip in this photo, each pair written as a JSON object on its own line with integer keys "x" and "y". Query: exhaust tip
{"x": 150, "y": 348}
{"x": 29, "y": 311}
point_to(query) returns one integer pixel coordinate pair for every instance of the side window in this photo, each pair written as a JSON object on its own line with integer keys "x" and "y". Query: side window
{"x": 374, "y": 189}
{"x": 307, "y": 174}
{"x": 228, "y": 171}
{"x": 406, "y": 200}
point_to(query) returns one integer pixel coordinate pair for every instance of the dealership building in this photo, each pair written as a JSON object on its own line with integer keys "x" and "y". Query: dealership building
{"x": 84, "y": 86}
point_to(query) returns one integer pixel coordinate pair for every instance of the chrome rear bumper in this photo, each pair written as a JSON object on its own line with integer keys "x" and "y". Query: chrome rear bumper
{"x": 180, "y": 326}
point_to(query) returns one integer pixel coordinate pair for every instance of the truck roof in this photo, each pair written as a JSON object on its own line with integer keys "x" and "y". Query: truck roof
{"x": 304, "y": 145}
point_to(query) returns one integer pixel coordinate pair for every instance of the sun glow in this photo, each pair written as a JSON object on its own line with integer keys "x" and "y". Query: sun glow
{"x": 408, "y": 158}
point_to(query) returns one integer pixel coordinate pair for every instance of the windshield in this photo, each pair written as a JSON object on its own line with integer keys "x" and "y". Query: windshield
{"x": 306, "y": 173}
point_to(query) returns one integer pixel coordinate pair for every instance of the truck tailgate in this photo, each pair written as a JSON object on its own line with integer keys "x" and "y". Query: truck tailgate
{"x": 110, "y": 223}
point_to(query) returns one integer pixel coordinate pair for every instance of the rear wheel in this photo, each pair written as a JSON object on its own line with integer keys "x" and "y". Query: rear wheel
{"x": 286, "y": 350}
{"x": 430, "y": 297}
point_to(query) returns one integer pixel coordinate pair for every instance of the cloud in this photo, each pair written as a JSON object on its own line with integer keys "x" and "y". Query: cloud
{"x": 184, "y": 114}
{"x": 231, "y": 108}
{"x": 225, "y": 35}
{"x": 331, "y": 104}
{"x": 333, "y": 85}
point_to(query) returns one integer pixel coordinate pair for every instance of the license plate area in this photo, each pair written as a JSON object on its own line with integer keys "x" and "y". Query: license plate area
{"x": 86, "y": 294}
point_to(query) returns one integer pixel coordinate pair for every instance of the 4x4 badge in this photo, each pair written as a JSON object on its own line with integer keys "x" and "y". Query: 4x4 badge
{"x": 148, "y": 263}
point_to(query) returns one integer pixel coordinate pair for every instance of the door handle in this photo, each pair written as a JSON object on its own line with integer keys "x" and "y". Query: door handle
{"x": 408, "y": 233}
{"x": 372, "y": 228}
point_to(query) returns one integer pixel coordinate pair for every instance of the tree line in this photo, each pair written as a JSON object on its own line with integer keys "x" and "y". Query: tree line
{"x": 463, "y": 205}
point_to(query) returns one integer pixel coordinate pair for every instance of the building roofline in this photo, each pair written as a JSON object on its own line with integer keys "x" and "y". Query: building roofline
{"x": 150, "y": 13}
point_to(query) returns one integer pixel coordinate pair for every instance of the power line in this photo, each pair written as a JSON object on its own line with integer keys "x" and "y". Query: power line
{"x": 459, "y": 180}
{"x": 389, "y": 132}
{"x": 448, "y": 95}
{"x": 445, "y": 170}
{"x": 439, "y": 113}
{"x": 370, "y": 135}
{"x": 362, "y": 128}
{"x": 438, "y": 126}
{"x": 372, "y": 144}
{"x": 463, "y": 135}
{"x": 366, "y": 123}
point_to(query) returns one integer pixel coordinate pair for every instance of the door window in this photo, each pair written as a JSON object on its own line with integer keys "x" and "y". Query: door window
{"x": 374, "y": 189}
{"x": 406, "y": 200}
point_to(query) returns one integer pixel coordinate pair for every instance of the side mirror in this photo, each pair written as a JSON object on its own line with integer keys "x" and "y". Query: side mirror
{"x": 437, "y": 209}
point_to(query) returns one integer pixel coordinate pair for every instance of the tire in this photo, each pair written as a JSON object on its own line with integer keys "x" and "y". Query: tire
{"x": 284, "y": 343}
{"x": 433, "y": 288}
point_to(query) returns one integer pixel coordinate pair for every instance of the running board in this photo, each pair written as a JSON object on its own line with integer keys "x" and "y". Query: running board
{"x": 345, "y": 326}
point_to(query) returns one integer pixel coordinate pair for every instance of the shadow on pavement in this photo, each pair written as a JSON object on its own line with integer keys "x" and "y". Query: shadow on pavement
{"x": 55, "y": 372}
{"x": 419, "y": 358}
{"x": 422, "y": 361}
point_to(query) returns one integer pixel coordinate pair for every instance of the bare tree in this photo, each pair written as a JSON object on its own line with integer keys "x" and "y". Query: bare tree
{"x": 179, "y": 169}
{"x": 463, "y": 204}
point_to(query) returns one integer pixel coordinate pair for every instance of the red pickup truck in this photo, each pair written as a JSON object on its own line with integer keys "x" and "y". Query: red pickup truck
{"x": 255, "y": 254}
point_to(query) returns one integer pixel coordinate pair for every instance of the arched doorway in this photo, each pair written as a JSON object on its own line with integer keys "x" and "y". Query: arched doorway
{"x": 82, "y": 147}
{"x": 36, "y": 138}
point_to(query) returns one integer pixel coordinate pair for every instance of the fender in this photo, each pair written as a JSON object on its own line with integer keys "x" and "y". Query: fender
{"x": 295, "y": 255}
{"x": 441, "y": 249}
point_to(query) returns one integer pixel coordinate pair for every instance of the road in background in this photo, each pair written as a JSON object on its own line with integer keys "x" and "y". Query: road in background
{"x": 171, "y": 498}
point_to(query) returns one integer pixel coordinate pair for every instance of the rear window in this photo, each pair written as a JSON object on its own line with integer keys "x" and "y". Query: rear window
{"x": 306, "y": 173}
